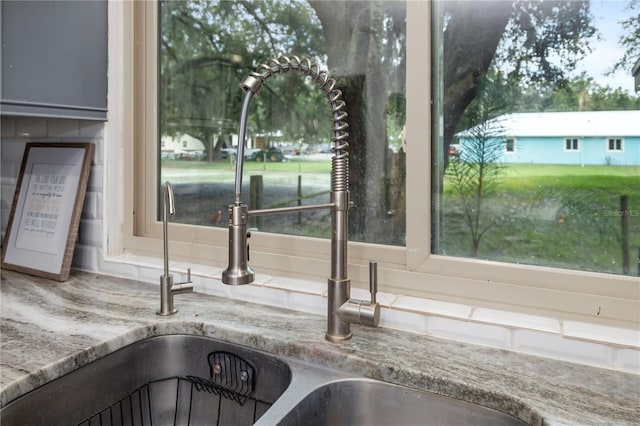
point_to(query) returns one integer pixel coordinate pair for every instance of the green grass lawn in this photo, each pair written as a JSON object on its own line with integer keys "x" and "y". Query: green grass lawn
{"x": 292, "y": 166}
{"x": 553, "y": 215}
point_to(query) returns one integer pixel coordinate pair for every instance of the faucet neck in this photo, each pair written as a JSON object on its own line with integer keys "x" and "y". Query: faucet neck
{"x": 342, "y": 310}
{"x": 168, "y": 208}
{"x": 242, "y": 134}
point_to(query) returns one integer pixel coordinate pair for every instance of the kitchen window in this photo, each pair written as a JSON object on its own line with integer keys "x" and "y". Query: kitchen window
{"x": 410, "y": 216}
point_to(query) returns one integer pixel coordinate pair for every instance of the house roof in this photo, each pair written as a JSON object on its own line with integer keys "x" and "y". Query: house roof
{"x": 584, "y": 123}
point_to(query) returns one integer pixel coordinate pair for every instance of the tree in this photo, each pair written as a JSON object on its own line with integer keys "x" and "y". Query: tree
{"x": 195, "y": 52}
{"x": 631, "y": 38}
{"x": 207, "y": 47}
{"x": 474, "y": 175}
{"x": 368, "y": 60}
{"x": 580, "y": 93}
{"x": 522, "y": 36}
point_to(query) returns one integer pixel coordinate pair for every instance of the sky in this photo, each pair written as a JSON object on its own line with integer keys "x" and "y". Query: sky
{"x": 606, "y": 52}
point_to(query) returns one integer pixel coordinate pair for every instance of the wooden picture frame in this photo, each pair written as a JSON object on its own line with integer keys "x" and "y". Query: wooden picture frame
{"x": 46, "y": 209}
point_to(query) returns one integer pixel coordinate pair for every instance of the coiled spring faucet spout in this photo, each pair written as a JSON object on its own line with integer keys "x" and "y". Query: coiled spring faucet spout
{"x": 342, "y": 310}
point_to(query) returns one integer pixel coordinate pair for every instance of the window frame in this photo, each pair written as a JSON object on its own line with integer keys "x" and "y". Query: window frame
{"x": 411, "y": 270}
{"x": 571, "y": 149}
{"x": 511, "y": 151}
{"x": 615, "y": 141}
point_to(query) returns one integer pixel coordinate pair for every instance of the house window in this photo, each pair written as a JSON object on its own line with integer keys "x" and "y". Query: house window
{"x": 614, "y": 144}
{"x": 509, "y": 145}
{"x": 571, "y": 144}
{"x": 408, "y": 217}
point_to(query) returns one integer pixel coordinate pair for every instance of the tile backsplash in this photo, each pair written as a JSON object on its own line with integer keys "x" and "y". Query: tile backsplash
{"x": 605, "y": 347}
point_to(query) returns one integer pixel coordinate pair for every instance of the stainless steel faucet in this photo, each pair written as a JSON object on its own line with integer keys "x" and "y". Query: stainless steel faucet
{"x": 167, "y": 288}
{"x": 342, "y": 310}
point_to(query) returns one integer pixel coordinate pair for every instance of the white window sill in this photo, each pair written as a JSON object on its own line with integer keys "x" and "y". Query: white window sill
{"x": 580, "y": 342}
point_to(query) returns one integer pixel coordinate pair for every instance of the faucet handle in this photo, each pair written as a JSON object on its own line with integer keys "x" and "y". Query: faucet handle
{"x": 373, "y": 280}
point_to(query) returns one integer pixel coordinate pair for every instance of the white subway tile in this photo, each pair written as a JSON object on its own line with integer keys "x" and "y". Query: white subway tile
{"x": 95, "y": 179}
{"x": 90, "y": 129}
{"x": 10, "y": 171}
{"x": 296, "y": 285}
{"x": 4, "y": 219}
{"x": 470, "y": 332}
{"x": 385, "y": 299}
{"x": 555, "y": 346}
{"x": 403, "y": 320}
{"x": 198, "y": 283}
{"x": 601, "y": 333}
{"x": 90, "y": 232}
{"x": 62, "y": 128}
{"x": 87, "y": 258}
{"x": 90, "y": 206}
{"x": 432, "y": 307}
{"x": 32, "y": 127}
{"x": 261, "y": 278}
{"x": 307, "y": 302}
{"x": 211, "y": 272}
{"x": 214, "y": 287}
{"x": 360, "y": 293}
{"x": 628, "y": 360}
{"x": 13, "y": 151}
{"x": 118, "y": 269}
{"x": 516, "y": 320}
{"x": 98, "y": 152}
{"x": 8, "y": 127}
{"x": 260, "y": 294}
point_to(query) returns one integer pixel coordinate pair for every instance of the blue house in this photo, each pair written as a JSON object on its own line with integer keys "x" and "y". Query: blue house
{"x": 582, "y": 138}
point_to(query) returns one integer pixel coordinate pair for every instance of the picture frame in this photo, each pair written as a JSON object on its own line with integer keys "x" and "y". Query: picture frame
{"x": 46, "y": 209}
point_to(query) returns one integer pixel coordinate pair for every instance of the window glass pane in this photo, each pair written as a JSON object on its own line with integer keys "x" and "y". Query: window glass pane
{"x": 207, "y": 47}
{"x": 571, "y": 144}
{"x": 515, "y": 79}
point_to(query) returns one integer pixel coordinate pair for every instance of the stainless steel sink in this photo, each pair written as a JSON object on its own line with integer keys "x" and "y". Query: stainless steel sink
{"x": 188, "y": 380}
{"x": 160, "y": 381}
{"x": 355, "y": 402}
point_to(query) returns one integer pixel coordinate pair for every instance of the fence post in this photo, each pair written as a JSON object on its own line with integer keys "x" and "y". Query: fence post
{"x": 256, "y": 197}
{"x": 299, "y": 198}
{"x": 624, "y": 225}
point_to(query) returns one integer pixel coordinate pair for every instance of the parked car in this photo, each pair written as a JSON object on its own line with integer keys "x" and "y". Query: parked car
{"x": 269, "y": 154}
{"x": 231, "y": 153}
{"x": 225, "y": 153}
{"x": 250, "y": 153}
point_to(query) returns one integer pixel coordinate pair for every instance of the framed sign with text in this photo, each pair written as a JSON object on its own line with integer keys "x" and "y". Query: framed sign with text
{"x": 46, "y": 209}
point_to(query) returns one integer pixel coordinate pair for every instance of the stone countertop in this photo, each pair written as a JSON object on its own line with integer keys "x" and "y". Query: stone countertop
{"x": 50, "y": 328}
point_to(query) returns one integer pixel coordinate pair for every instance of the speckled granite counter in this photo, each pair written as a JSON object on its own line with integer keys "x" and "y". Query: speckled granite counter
{"x": 51, "y": 328}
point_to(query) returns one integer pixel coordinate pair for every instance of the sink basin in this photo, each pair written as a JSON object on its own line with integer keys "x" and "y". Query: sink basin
{"x": 355, "y": 402}
{"x": 189, "y": 380}
{"x": 163, "y": 380}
